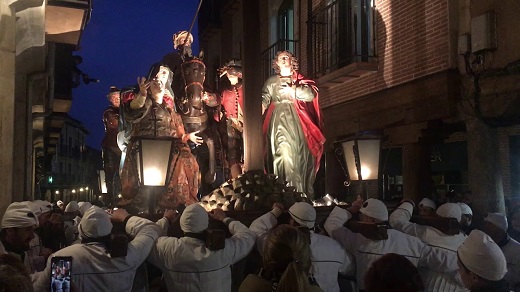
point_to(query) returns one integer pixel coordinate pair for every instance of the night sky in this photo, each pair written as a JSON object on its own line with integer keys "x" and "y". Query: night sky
{"x": 121, "y": 41}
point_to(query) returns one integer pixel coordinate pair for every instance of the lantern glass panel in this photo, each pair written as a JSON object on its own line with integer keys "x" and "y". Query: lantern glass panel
{"x": 368, "y": 157}
{"x": 155, "y": 159}
{"x": 350, "y": 159}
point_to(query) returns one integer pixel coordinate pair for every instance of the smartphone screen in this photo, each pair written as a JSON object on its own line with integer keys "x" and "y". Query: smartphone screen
{"x": 61, "y": 268}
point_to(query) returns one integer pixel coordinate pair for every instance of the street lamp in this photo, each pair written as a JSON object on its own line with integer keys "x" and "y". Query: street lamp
{"x": 154, "y": 157}
{"x": 361, "y": 154}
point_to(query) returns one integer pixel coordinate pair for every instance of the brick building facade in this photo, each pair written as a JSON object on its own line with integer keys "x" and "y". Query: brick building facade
{"x": 404, "y": 68}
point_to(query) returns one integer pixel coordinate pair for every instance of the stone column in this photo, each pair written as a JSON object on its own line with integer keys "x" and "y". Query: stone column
{"x": 417, "y": 181}
{"x": 485, "y": 178}
{"x": 7, "y": 101}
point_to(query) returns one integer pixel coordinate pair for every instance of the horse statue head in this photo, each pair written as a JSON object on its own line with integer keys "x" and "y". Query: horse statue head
{"x": 193, "y": 71}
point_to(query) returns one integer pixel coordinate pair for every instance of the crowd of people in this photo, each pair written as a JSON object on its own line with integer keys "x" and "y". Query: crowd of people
{"x": 295, "y": 254}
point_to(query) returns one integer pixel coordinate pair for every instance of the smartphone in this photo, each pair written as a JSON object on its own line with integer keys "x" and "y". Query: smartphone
{"x": 61, "y": 269}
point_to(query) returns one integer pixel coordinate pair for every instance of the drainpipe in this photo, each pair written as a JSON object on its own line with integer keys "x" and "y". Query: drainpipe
{"x": 48, "y": 74}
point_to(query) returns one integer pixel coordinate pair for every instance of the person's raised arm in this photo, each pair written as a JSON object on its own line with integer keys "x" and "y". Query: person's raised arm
{"x": 139, "y": 100}
{"x": 143, "y": 231}
{"x": 400, "y": 220}
{"x": 261, "y": 225}
{"x": 334, "y": 225}
{"x": 242, "y": 240}
{"x": 164, "y": 223}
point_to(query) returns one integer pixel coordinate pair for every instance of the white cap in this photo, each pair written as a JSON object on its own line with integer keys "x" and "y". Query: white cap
{"x": 375, "y": 208}
{"x": 194, "y": 219}
{"x": 83, "y": 207}
{"x": 60, "y": 203}
{"x": 465, "y": 209}
{"x": 41, "y": 207}
{"x": 497, "y": 219}
{"x": 482, "y": 256}
{"x": 72, "y": 206}
{"x": 425, "y": 202}
{"x": 19, "y": 215}
{"x": 303, "y": 213}
{"x": 450, "y": 210}
{"x": 95, "y": 223}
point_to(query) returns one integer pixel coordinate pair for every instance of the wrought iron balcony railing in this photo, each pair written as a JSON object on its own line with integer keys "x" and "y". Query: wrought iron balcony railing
{"x": 343, "y": 33}
{"x": 268, "y": 55}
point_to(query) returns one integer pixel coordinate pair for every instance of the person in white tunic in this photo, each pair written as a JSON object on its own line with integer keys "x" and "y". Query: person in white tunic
{"x": 366, "y": 251}
{"x": 433, "y": 280}
{"x": 93, "y": 268}
{"x": 482, "y": 264}
{"x": 466, "y": 219}
{"x": 495, "y": 225}
{"x": 328, "y": 257}
{"x": 427, "y": 207}
{"x": 17, "y": 231}
{"x": 38, "y": 254}
{"x": 188, "y": 265}
{"x": 71, "y": 227}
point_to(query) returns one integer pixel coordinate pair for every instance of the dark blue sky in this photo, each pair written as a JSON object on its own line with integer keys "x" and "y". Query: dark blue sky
{"x": 121, "y": 41}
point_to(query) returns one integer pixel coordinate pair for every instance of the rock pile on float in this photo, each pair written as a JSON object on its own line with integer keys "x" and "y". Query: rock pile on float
{"x": 253, "y": 190}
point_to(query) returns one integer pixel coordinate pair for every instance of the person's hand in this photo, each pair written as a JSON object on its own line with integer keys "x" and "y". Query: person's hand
{"x": 143, "y": 85}
{"x": 170, "y": 214}
{"x": 194, "y": 138}
{"x": 278, "y": 205}
{"x": 286, "y": 88}
{"x": 217, "y": 214}
{"x": 119, "y": 215}
{"x": 235, "y": 123}
{"x": 356, "y": 205}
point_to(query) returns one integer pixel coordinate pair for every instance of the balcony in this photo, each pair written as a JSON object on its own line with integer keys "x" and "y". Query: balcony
{"x": 65, "y": 20}
{"x": 268, "y": 55}
{"x": 343, "y": 41}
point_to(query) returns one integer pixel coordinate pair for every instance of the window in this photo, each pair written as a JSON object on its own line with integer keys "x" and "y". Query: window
{"x": 285, "y": 24}
{"x": 281, "y": 35}
{"x": 342, "y": 33}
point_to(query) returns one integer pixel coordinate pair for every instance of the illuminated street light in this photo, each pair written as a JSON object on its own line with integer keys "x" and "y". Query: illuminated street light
{"x": 102, "y": 182}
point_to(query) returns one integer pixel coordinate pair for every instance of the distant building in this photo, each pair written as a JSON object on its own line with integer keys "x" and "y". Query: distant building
{"x": 73, "y": 172}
